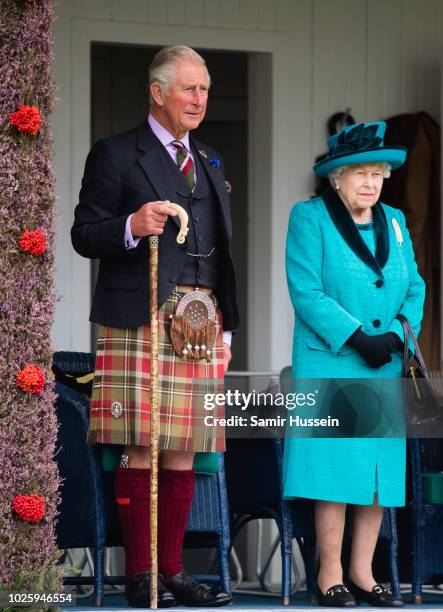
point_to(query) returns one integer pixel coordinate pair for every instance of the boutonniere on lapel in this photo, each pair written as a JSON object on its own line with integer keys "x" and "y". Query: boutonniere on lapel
{"x": 216, "y": 163}
{"x": 397, "y": 230}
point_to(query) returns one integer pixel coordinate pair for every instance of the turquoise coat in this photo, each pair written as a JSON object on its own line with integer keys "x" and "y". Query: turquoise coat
{"x": 342, "y": 278}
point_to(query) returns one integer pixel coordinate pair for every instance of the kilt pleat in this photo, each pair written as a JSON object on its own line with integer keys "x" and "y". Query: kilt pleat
{"x": 120, "y": 403}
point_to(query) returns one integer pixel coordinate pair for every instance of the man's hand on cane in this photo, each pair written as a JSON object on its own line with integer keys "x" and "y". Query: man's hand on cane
{"x": 150, "y": 219}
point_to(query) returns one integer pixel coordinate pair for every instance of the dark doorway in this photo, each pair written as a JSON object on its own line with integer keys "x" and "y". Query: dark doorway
{"x": 119, "y": 101}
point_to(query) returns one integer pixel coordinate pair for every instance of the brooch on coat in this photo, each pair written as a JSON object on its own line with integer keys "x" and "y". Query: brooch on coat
{"x": 397, "y": 230}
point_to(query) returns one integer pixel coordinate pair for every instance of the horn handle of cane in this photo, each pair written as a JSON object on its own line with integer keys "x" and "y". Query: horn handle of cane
{"x": 184, "y": 219}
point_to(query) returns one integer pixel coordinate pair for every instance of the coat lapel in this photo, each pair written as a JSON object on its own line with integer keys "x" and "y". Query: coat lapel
{"x": 346, "y": 226}
{"x": 153, "y": 164}
{"x": 216, "y": 177}
{"x": 381, "y": 234}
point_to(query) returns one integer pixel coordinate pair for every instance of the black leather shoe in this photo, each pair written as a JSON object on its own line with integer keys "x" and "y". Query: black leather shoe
{"x": 189, "y": 592}
{"x": 138, "y": 592}
{"x": 378, "y": 597}
{"x": 338, "y": 596}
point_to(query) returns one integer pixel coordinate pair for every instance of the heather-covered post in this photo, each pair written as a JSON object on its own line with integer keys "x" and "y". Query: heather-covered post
{"x": 28, "y": 427}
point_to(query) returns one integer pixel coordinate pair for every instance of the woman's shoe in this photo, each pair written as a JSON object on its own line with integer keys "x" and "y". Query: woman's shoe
{"x": 338, "y": 596}
{"x": 378, "y": 597}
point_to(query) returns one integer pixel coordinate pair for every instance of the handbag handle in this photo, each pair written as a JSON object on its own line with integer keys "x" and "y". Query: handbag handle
{"x": 410, "y": 337}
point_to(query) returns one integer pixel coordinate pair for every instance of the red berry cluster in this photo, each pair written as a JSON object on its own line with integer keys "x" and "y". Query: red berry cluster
{"x": 29, "y": 507}
{"x": 33, "y": 242}
{"x": 27, "y": 120}
{"x": 31, "y": 379}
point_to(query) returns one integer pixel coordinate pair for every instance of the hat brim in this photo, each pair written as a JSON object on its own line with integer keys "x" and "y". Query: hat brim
{"x": 394, "y": 156}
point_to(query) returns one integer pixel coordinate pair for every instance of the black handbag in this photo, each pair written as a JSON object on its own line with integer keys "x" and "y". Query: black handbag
{"x": 423, "y": 404}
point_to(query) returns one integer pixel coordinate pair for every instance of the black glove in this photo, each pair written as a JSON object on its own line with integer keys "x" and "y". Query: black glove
{"x": 375, "y": 350}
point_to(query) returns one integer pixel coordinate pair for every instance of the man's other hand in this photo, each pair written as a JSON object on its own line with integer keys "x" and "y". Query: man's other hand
{"x": 150, "y": 219}
{"x": 226, "y": 356}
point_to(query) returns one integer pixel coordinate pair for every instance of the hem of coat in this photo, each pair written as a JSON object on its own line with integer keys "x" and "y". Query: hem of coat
{"x": 359, "y": 500}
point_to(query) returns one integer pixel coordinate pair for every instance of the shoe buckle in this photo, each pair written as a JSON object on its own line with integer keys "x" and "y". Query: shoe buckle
{"x": 338, "y": 589}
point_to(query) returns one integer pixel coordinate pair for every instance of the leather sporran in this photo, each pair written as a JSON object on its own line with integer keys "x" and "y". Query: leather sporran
{"x": 423, "y": 404}
{"x": 193, "y": 327}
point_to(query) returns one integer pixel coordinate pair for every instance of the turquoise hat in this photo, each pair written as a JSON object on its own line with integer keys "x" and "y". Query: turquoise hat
{"x": 360, "y": 144}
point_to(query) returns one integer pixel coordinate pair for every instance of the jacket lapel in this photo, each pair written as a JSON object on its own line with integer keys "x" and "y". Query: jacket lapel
{"x": 216, "y": 177}
{"x": 346, "y": 226}
{"x": 152, "y": 163}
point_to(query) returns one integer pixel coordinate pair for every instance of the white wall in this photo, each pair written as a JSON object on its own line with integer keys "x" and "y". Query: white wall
{"x": 379, "y": 57}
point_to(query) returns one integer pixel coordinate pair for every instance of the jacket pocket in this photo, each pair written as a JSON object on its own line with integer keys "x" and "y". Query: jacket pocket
{"x": 318, "y": 345}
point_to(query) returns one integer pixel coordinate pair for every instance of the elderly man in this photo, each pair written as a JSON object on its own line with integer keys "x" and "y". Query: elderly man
{"x": 129, "y": 179}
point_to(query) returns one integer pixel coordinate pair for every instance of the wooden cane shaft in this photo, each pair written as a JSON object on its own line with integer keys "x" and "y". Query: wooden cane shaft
{"x": 153, "y": 300}
{"x": 153, "y": 270}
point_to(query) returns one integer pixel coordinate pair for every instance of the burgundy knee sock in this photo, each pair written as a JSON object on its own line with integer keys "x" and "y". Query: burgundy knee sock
{"x": 132, "y": 496}
{"x": 175, "y": 492}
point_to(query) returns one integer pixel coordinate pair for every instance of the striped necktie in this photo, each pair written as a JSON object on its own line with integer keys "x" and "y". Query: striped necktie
{"x": 185, "y": 163}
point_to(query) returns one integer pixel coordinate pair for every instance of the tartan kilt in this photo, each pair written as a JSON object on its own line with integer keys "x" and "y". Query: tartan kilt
{"x": 120, "y": 403}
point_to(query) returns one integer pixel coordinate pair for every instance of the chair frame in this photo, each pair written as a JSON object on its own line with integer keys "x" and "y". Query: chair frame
{"x": 82, "y": 407}
{"x": 423, "y": 514}
{"x": 283, "y": 518}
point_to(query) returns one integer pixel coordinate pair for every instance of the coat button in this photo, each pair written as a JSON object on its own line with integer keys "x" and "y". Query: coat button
{"x": 376, "y": 322}
{"x": 379, "y": 283}
{"x": 197, "y": 219}
{"x": 200, "y": 238}
{"x": 173, "y": 279}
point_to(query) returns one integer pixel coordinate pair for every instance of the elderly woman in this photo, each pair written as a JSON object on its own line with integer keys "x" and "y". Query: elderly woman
{"x": 351, "y": 270}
